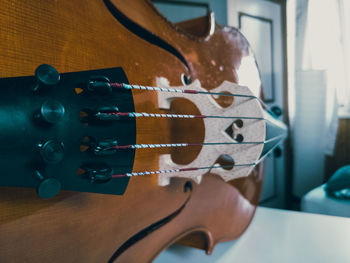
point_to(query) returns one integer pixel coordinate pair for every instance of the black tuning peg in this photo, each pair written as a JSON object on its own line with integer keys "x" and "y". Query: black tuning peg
{"x": 99, "y": 84}
{"x": 45, "y": 76}
{"x": 48, "y": 187}
{"x": 99, "y": 174}
{"x": 105, "y": 147}
{"x": 51, "y": 151}
{"x": 50, "y": 112}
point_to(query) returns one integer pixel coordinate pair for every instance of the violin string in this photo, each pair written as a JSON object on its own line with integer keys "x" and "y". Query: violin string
{"x": 175, "y": 145}
{"x": 187, "y": 91}
{"x": 101, "y": 149}
{"x": 166, "y": 115}
{"x": 144, "y": 173}
{"x": 171, "y": 145}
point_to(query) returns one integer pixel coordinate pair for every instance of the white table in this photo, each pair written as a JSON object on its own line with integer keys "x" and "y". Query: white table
{"x": 277, "y": 236}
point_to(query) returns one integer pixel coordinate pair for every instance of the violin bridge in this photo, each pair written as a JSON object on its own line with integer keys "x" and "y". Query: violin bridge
{"x": 244, "y": 156}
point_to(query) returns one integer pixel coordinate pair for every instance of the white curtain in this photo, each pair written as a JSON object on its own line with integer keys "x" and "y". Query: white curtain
{"x": 326, "y": 49}
{"x": 322, "y": 77}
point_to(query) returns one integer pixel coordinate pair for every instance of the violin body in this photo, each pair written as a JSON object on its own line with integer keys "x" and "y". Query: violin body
{"x": 147, "y": 218}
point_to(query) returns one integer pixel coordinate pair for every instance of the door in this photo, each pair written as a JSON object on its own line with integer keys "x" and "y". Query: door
{"x": 261, "y": 23}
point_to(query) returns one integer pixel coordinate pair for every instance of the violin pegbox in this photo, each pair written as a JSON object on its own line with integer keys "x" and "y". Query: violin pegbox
{"x": 244, "y": 150}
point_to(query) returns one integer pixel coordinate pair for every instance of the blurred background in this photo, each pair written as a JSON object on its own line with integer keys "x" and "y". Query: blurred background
{"x": 302, "y": 49}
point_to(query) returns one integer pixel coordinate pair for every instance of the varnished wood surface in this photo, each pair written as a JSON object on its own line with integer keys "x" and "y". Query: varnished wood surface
{"x": 80, "y": 227}
{"x": 210, "y": 58}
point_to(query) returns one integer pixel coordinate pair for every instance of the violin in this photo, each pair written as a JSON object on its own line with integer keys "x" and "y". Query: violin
{"x": 122, "y": 133}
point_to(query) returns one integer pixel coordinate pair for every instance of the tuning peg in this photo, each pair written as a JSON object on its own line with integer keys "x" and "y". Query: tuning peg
{"x": 48, "y": 187}
{"x": 99, "y": 84}
{"x": 45, "y": 76}
{"x": 100, "y": 174}
{"x": 51, "y": 151}
{"x": 51, "y": 112}
{"x": 105, "y": 147}
{"x": 106, "y": 113}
